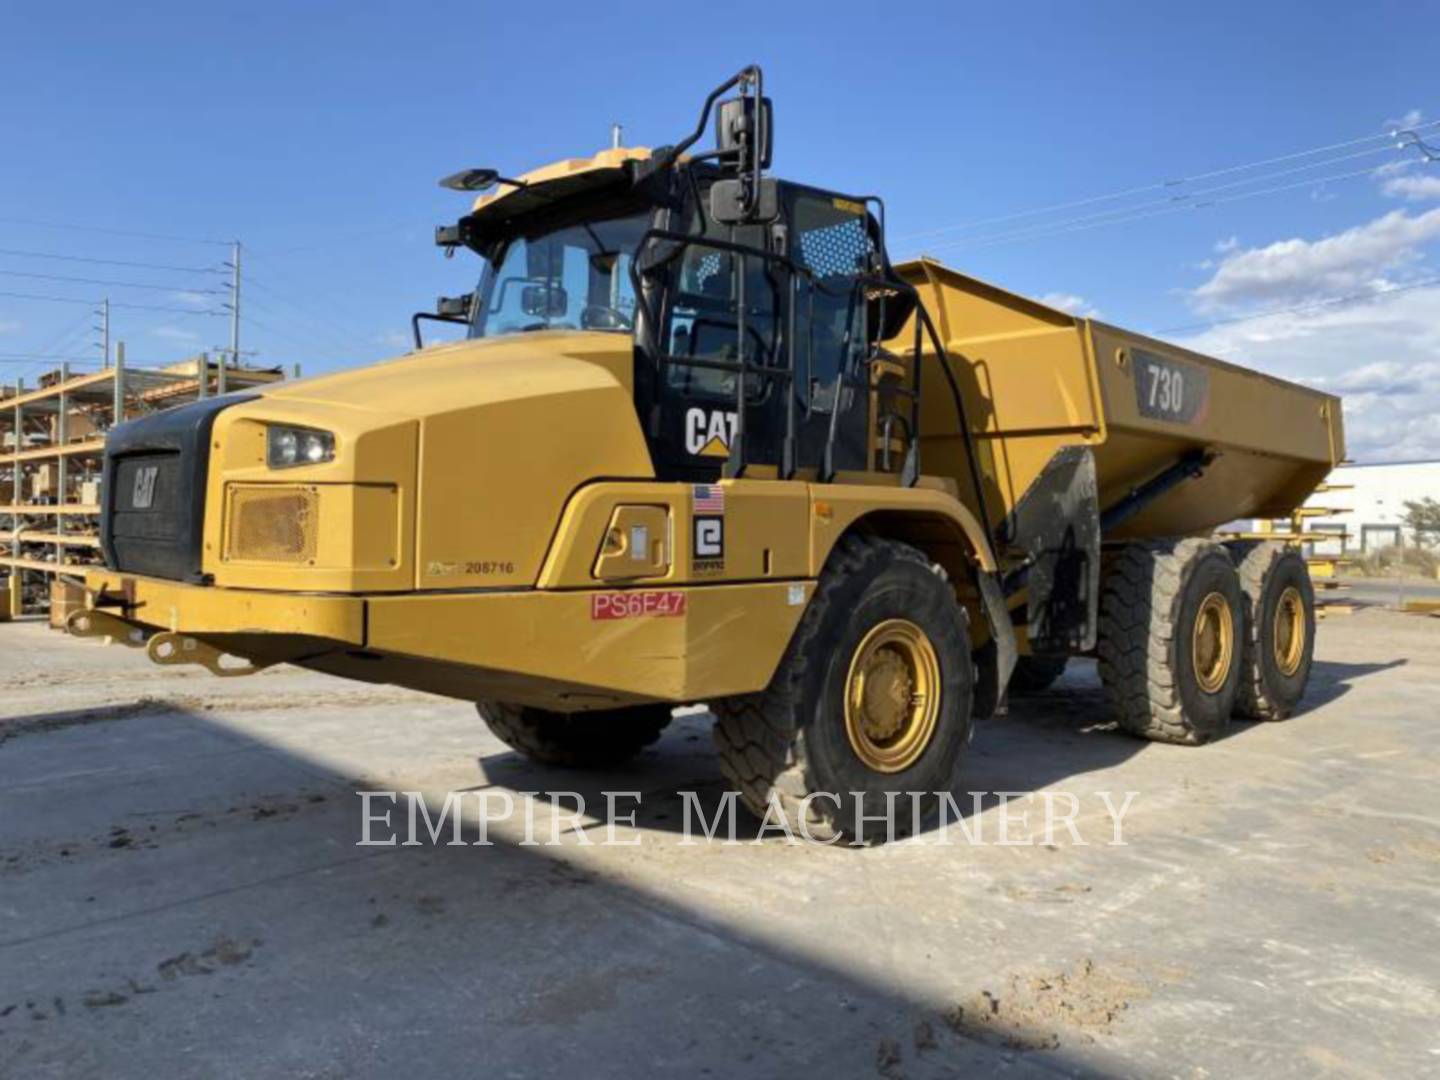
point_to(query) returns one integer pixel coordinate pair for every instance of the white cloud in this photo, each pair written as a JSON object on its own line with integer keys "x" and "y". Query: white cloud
{"x": 9, "y": 326}
{"x": 175, "y": 333}
{"x": 186, "y": 297}
{"x": 1413, "y": 118}
{"x": 1229, "y": 244}
{"x": 1071, "y": 304}
{"x": 1414, "y": 188}
{"x": 394, "y": 339}
{"x": 1294, "y": 270}
{"x": 1381, "y": 355}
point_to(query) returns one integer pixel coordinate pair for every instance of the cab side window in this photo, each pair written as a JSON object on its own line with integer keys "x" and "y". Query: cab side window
{"x": 831, "y": 239}
{"x": 704, "y": 319}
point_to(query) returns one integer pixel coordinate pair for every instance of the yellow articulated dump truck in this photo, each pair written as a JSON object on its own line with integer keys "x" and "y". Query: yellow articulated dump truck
{"x": 703, "y": 443}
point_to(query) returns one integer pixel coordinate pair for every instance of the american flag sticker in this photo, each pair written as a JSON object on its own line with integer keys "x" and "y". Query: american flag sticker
{"x": 707, "y": 499}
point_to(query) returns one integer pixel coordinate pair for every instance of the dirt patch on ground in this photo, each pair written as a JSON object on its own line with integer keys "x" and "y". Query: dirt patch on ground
{"x": 29, "y": 725}
{"x": 1031, "y": 1012}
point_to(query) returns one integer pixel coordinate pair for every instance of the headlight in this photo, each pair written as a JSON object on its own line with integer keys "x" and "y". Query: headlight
{"x": 286, "y": 447}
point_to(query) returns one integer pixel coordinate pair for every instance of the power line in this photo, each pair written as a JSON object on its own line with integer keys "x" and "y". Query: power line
{"x": 314, "y": 345}
{"x": 334, "y": 241}
{"x": 1181, "y": 201}
{"x": 111, "y": 262}
{"x": 113, "y": 304}
{"x": 30, "y": 357}
{"x": 113, "y": 232}
{"x": 1129, "y": 215}
{"x": 34, "y": 364}
{"x": 334, "y": 330}
{"x": 108, "y": 282}
{"x": 1164, "y": 184}
{"x": 1372, "y": 294}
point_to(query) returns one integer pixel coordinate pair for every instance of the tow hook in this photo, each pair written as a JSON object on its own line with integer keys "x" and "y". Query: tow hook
{"x": 168, "y": 647}
{"x": 90, "y": 623}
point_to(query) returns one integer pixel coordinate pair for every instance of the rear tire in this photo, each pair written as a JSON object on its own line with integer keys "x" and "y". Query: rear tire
{"x": 874, "y": 695}
{"x": 1279, "y": 629}
{"x": 1036, "y": 674}
{"x": 586, "y": 740}
{"x": 1171, "y": 625}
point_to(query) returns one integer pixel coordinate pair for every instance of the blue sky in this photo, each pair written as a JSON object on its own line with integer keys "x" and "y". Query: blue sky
{"x": 315, "y": 133}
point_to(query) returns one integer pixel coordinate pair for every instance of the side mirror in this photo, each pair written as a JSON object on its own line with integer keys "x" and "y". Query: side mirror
{"x": 544, "y": 301}
{"x": 736, "y": 122}
{"x": 454, "y": 307}
{"x": 727, "y": 202}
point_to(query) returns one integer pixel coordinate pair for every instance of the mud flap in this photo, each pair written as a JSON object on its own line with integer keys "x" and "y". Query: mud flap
{"x": 1057, "y": 523}
{"x": 997, "y": 658}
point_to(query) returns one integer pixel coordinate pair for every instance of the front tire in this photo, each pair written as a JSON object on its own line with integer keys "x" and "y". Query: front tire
{"x": 874, "y": 696}
{"x": 1279, "y": 630}
{"x": 1171, "y": 620}
{"x": 586, "y": 740}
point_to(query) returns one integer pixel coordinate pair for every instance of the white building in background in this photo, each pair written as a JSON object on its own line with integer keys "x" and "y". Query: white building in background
{"x": 1373, "y": 498}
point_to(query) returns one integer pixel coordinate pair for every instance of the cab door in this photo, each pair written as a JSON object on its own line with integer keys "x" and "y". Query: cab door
{"x": 787, "y": 300}
{"x": 724, "y": 303}
{"x": 830, "y": 240}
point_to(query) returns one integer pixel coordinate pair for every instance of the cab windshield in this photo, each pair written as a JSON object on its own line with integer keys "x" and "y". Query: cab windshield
{"x": 562, "y": 273}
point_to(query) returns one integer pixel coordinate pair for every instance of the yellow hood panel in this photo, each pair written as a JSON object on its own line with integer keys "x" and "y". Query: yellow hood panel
{"x": 469, "y": 373}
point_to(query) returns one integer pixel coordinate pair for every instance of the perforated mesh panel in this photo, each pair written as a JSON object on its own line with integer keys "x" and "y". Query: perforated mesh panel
{"x": 836, "y": 250}
{"x": 272, "y": 524}
{"x": 706, "y": 268}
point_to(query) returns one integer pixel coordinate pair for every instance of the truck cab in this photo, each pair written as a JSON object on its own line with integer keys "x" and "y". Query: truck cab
{"x": 794, "y": 306}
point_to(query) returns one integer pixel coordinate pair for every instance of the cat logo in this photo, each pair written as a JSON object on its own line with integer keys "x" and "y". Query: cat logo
{"x": 143, "y": 495}
{"x": 708, "y": 433}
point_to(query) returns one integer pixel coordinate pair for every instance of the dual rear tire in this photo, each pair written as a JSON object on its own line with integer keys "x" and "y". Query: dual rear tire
{"x": 1193, "y": 631}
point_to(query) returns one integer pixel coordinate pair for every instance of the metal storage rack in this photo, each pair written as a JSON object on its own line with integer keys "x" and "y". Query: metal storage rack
{"x": 52, "y": 445}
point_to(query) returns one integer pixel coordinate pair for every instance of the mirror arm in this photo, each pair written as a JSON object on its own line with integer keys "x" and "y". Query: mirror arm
{"x": 431, "y": 317}
{"x": 672, "y": 154}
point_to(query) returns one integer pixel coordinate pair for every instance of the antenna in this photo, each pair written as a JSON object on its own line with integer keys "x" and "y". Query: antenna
{"x": 615, "y": 132}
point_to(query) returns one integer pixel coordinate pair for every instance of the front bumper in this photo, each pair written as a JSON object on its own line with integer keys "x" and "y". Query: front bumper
{"x": 554, "y": 649}
{"x": 204, "y": 609}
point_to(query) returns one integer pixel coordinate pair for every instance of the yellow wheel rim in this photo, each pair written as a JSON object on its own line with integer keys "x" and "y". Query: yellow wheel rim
{"x": 1214, "y": 646}
{"x": 1290, "y": 631}
{"x": 892, "y": 696}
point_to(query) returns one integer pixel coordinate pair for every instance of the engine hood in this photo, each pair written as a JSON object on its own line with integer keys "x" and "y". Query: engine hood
{"x": 436, "y": 379}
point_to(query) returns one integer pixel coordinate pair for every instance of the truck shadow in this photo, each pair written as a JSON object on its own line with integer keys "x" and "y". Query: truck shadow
{"x": 1045, "y": 738}
{"x": 1331, "y": 680}
{"x": 182, "y": 895}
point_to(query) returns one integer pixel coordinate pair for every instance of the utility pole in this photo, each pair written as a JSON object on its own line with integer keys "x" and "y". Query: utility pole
{"x": 117, "y": 411}
{"x": 235, "y": 303}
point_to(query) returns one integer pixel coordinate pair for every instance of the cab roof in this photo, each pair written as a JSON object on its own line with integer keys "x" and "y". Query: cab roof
{"x": 585, "y": 172}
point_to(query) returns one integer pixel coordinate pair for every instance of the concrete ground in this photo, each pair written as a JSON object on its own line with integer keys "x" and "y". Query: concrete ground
{"x": 181, "y": 893}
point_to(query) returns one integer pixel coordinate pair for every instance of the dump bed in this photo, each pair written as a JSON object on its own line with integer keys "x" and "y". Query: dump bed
{"x": 1035, "y": 379}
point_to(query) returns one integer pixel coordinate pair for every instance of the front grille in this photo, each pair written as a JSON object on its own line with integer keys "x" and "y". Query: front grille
{"x": 148, "y": 498}
{"x": 153, "y": 509}
{"x": 271, "y": 523}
